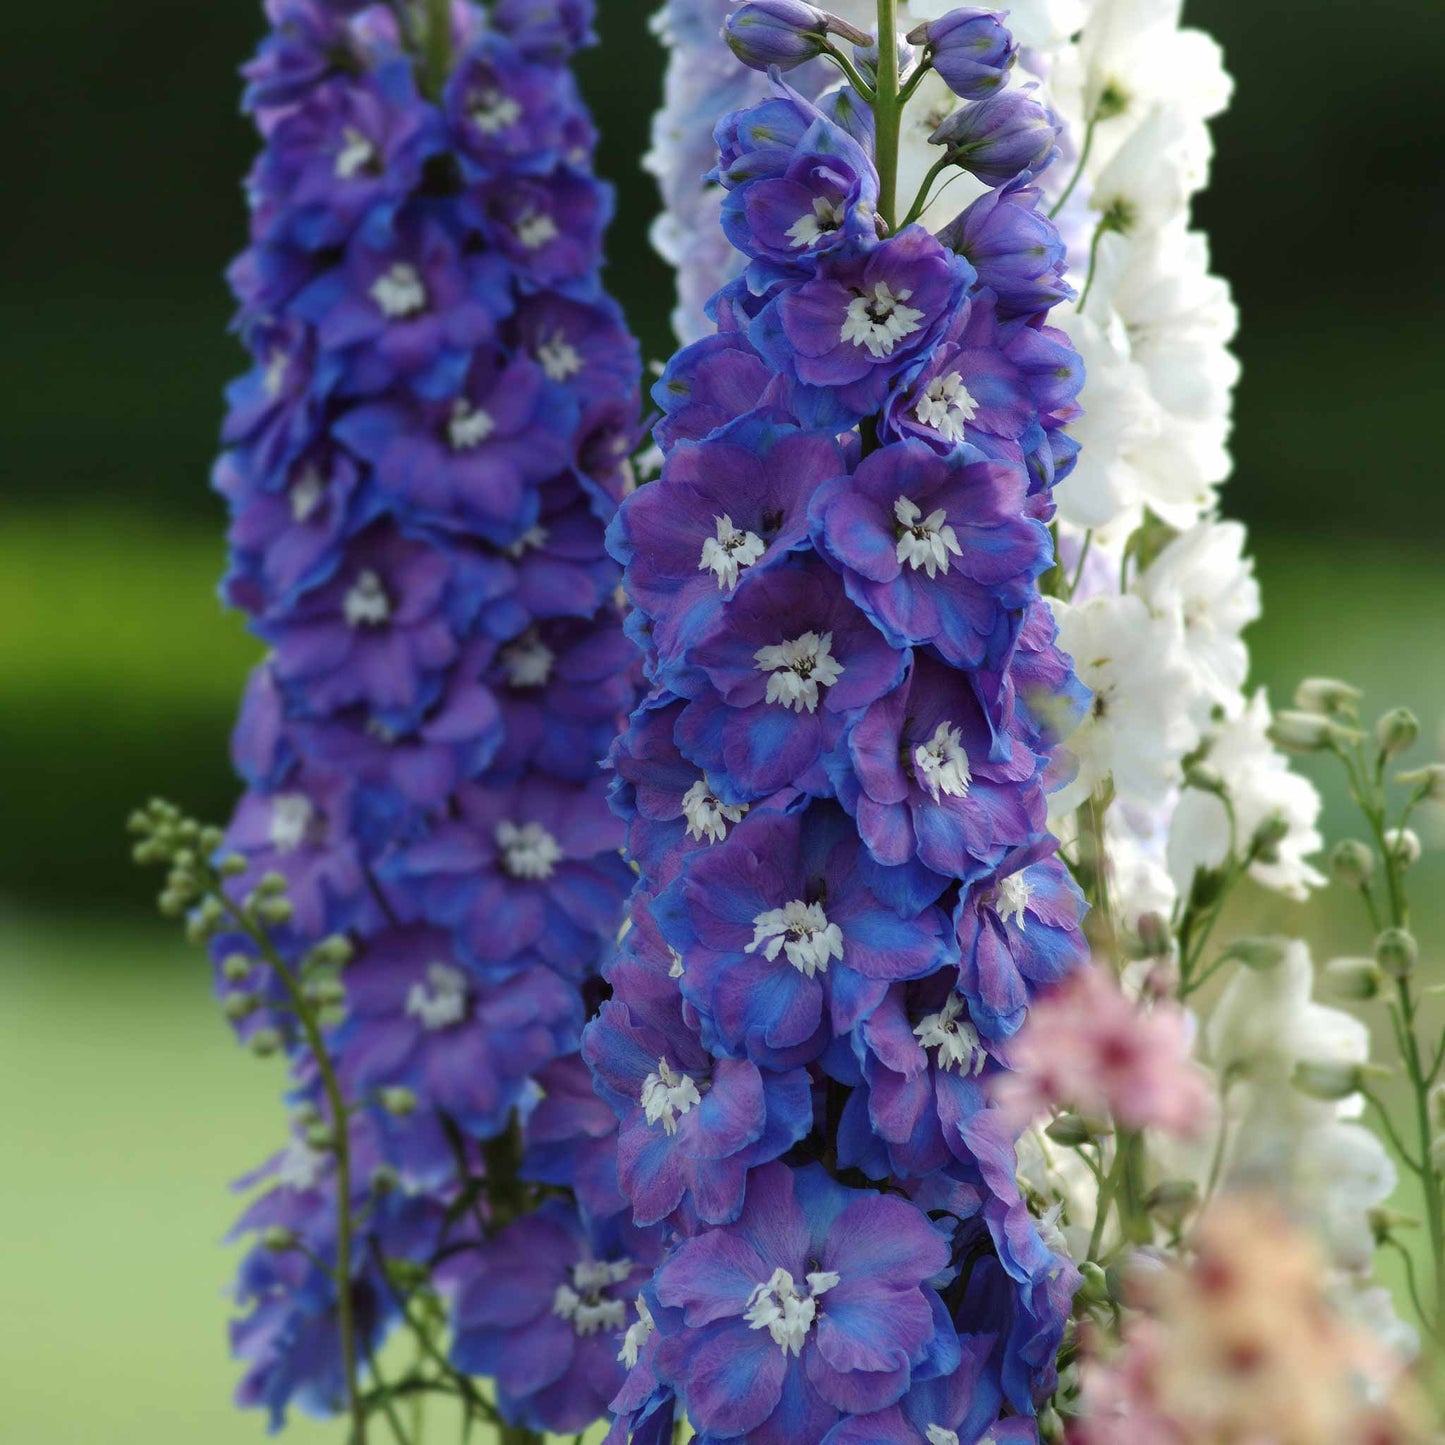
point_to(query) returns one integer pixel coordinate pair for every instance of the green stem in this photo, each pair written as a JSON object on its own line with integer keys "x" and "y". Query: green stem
{"x": 437, "y": 57}
{"x": 341, "y": 1276}
{"x": 1094, "y": 863}
{"x": 1078, "y": 169}
{"x": 887, "y": 112}
{"x": 920, "y": 201}
{"x": 1388, "y": 1124}
{"x": 1100, "y": 231}
{"x": 855, "y": 78}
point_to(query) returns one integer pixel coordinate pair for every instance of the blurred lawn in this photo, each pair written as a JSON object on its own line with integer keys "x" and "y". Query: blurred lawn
{"x": 124, "y": 1109}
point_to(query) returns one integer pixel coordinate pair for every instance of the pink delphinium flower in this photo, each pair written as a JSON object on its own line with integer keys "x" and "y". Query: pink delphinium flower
{"x": 1089, "y": 1047}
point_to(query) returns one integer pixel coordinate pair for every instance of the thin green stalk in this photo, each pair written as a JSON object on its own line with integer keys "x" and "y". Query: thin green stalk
{"x": 341, "y": 1276}
{"x": 887, "y": 112}
{"x": 855, "y": 77}
{"x": 1078, "y": 169}
{"x": 920, "y": 201}
{"x": 437, "y": 56}
{"x": 1094, "y": 862}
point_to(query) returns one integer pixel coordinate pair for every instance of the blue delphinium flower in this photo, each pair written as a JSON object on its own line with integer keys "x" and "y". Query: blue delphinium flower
{"x": 836, "y": 799}
{"x": 420, "y": 468}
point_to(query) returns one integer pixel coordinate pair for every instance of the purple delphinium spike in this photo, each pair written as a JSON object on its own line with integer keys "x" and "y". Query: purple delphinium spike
{"x": 420, "y": 469}
{"x": 835, "y": 797}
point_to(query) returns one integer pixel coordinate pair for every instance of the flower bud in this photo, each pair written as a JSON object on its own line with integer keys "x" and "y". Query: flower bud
{"x": 1095, "y": 1286}
{"x": 1327, "y": 696}
{"x": 972, "y": 51}
{"x": 1155, "y": 937}
{"x": 398, "y": 1102}
{"x": 1355, "y": 979}
{"x": 236, "y": 967}
{"x": 278, "y": 1238}
{"x": 1397, "y": 731}
{"x": 1071, "y": 1130}
{"x": 336, "y": 951}
{"x": 1397, "y": 952}
{"x": 785, "y": 33}
{"x": 1327, "y": 1080}
{"x": 275, "y": 911}
{"x": 264, "y": 1042}
{"x": 1352, "y": 863}
{"x": 999, "y": 137}
{"x": 1429, "y": 781}
{"x": 319, "y": 1136}
{"x": 240, "y": 1006}
{"x": 1173, "y": 1201}
{"x": 232, "y": 865}
{"x": 1386, "y": 1223}
{"x": 1309, "y": 732}
{"x": 1264, "y": 846}
{"x": 1258, "y": 954}
{"x": 1403, "y": 845}
{"x": 1437, "y": 1154}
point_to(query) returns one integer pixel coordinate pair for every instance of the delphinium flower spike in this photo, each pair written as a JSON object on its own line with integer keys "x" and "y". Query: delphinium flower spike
{"x": 420, "y": 467}
{"x": 836, "y": 794}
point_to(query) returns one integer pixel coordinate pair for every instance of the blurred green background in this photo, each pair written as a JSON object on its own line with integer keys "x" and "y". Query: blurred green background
{"x": 123, "y": 1108}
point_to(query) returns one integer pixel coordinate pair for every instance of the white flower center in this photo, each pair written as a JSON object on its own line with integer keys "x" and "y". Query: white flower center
{"x": 531, "y": 539}
{"x": 946, "y": 404}
{"x": 802, "y": 931}
{"x": 366, "y": 604}
{"x": 937, "y": 1435}
{"x": 306, "y": 495}
{"x": 301, "y": 1166}
{"x": 441, "y": 1000}
{"x": 535, "y": 229}
{"x": 291, "y": 815}
{"x": 469, "y": 426}
{"x": 495, "y": 111}
{"x": 355, "y": 156}
{"x": 706, "y": 816}
{"x": 529, "y": 851}
{"x": 559, "y": 358}
{"x": 941, "y": 764}
{"x": 1013, "y": 897}
{"x": 637, "y": 1334}
{"x": 583, "y": 1304}
{"x": 676, "y": 970}
{"x": 729, "y": 552}
{"x": 666, "y": 1096}
{"x": 528, "y": 662}
{"x": 956, "y": 1040}
{"x": 787, "y": 1315}
{"x": 799, "y": 668}
{"x": 825, "y": 218}
{"x": 924, "y": 541}
{"x": 400, "y": 292}
{"x": 275, "y": 376}
{"x": 880, "y": 321}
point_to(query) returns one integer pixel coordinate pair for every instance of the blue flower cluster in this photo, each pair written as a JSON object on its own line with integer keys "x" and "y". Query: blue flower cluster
{"x": 420, "y": 468}
{"x": 836, "y": 798}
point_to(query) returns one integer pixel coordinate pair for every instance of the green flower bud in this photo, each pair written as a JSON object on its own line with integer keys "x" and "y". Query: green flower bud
{"x": 1071, "y": 1130}
{"x": 239, "y": 1006}
{"x": 1352, "y": 863}
{"x": 211, "y": 839}
{"x": 1268, "y": 836}
{"x": 319, "y": 1136}
{"x": 275, "y": 911}
{"x": 384, "y": 1179}
{"x": 1258, "y": 954}
{"x": 1397, "y": 731}
{"x": 278, "y": 1238}
{"x": 325, "y": 991}
{"x": 1355, "y": 979}
{"x": 1095, "y": 1287}
{"x": 1327, "y": 696}
{"x": 1173, "y": 1201}
{"x": 273, "y": 883}
{"x": 1386, "y": 1223}
{"x": 1397, "y": 952}
{"x": 264, "y": 1042}
{"x": 398, "y": 1102}
{"x": 1429, "y": 781}
{"x": 236, "y": 967}
{"x": 336, "y": 951}
{"x": 1308, "y": 732}
{"x": 232, "y": 865}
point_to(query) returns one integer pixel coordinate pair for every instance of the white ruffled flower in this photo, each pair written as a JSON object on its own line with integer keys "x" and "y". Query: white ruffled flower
{"x": 1140, "y": 725}
{"x": 1204, "y": 584}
